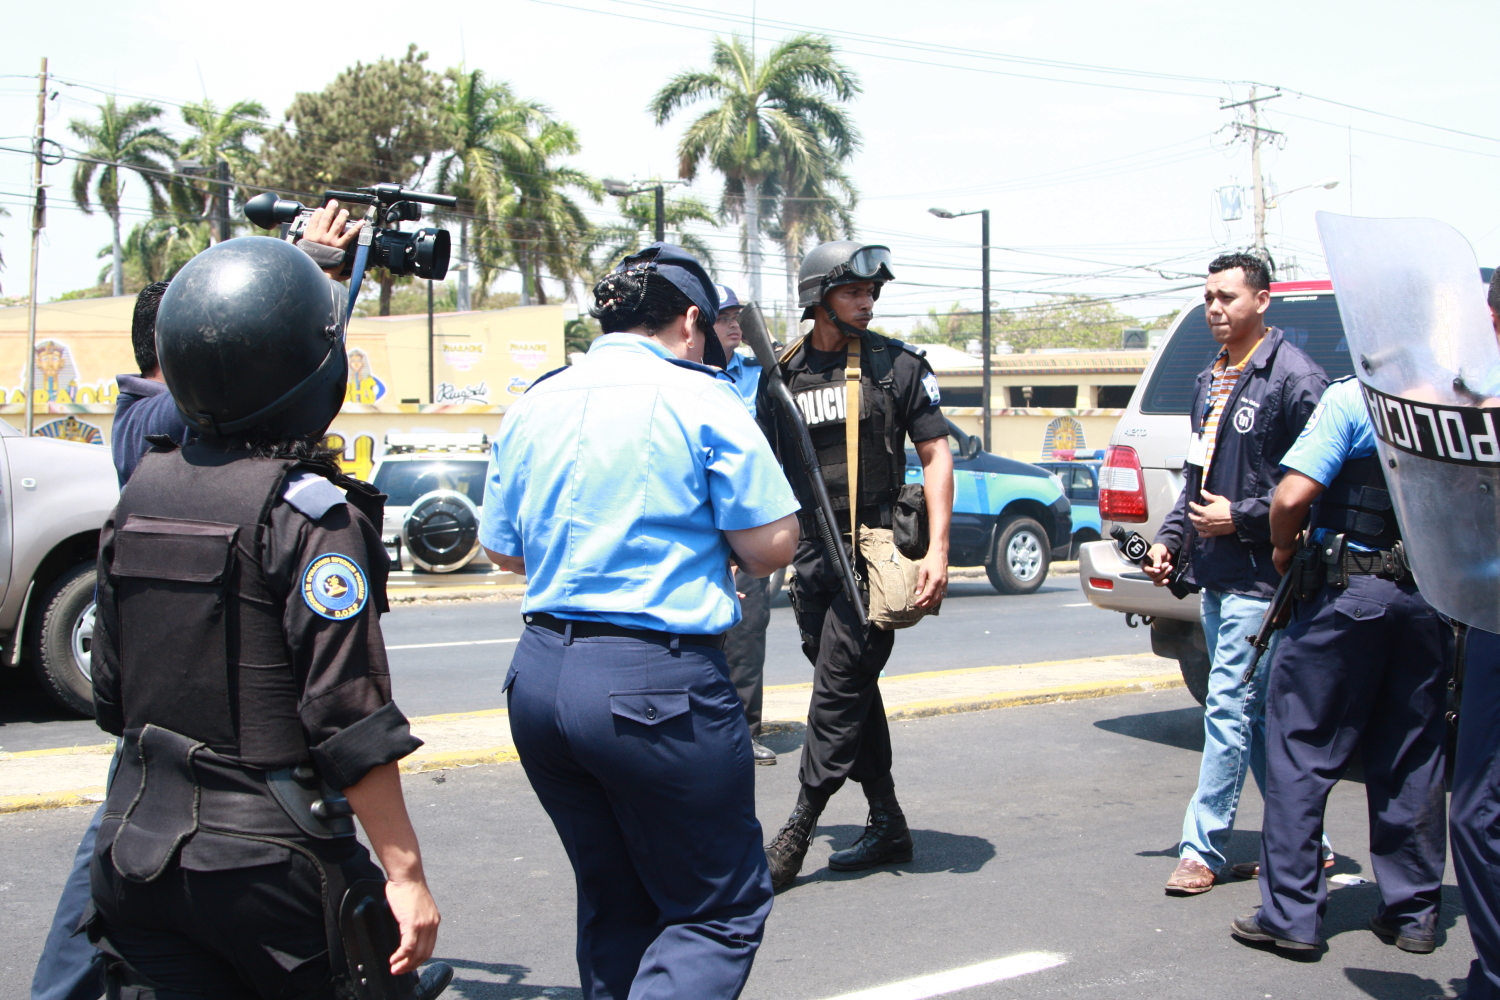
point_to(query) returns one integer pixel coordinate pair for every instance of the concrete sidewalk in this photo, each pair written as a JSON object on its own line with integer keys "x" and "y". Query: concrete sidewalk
{"x": 47, "y": 779}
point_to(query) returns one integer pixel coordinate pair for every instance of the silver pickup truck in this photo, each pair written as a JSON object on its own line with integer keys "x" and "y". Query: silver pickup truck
{"x": 54, "y": 498}
{"x": 1142, "y": 473}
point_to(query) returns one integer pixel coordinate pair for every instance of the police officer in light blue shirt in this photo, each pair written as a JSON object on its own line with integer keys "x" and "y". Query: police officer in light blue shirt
{"x": 1363, "y": 665}
{"x": 622, "y": 487}
{"x": 745, "y": 644}
{"x": 743, "y": 366}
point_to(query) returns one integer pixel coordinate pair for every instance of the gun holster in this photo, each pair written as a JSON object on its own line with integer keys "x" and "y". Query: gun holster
{"x": 1311, "y": 573}
{"x": 370, "y": 936}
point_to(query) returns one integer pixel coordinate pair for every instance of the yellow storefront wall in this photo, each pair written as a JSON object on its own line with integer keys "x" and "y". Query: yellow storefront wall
{"x": 480, "y": 362}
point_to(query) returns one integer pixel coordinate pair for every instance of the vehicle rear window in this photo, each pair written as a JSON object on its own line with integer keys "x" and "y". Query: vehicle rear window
{"x": 1309, "y": 321}
{"x": 407, "y": 482}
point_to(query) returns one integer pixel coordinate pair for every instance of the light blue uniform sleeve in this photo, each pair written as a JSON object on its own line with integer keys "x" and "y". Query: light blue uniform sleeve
{"x": 745, "y": 483}
{"x": 1338, "y": 430}
{"x": 505, "y": 484}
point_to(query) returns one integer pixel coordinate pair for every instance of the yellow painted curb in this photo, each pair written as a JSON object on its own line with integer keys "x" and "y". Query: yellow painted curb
{"x": 105, "y": 749}
{"x": 404, "y": 594}
{"x": 485, "y": 713}
{"x": 461, "y": 758}
{"x": 1010, "y": 699}
{"x": 51, "y": 800}
{"x": 957, "y": 671}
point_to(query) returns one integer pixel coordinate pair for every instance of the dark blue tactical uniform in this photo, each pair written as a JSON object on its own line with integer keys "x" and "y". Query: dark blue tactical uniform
{"x": 1363, "y": 665}
{"x": 1475, "y": 809}
{"x": 616, "y": 479}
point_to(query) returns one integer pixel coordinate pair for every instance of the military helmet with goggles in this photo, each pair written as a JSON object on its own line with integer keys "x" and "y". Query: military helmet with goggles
{"x": 841, "y": 262}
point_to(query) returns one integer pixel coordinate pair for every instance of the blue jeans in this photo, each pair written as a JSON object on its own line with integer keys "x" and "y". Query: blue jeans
{"x": 1234, "y": 724}
{"x": 70, "y": 968}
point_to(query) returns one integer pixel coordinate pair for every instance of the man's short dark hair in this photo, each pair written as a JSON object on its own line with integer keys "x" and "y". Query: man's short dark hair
{"x": 143, "y": 326}
{"x": 1495, "y": 291}
{"x": 1257, "y": 270}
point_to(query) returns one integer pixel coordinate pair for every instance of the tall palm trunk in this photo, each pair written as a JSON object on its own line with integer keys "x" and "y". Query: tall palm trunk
{"x": 752, "y": 236}
{"x": 525, "y": 279}
{"x": 793, "y": 264}
{"x": 118, "y": 271}
{"x": 463, "y": 265}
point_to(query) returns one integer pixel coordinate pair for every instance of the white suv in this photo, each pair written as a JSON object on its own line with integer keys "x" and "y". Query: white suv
{"x": 1142, "y": 474}
{"x": 435, "y": 486}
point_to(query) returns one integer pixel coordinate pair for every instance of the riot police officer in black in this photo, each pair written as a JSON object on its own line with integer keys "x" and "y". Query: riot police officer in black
{"x": 238, "y": 653}
{"x": 847, "y": 736}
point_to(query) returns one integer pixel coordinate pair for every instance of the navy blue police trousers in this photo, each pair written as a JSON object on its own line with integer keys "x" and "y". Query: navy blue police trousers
{"x": 1475, "y": 809}
{"x": 641, "y": 756}
{"x": 1365, "y": 667}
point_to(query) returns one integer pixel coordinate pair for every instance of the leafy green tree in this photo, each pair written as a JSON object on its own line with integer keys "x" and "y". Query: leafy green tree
{"x": 122, "y": 139}
{"x": 157, "y": 249}
{"x": 615, "y": 242}
{"x": 375, "y": 123}
{"x": 1077, "y": 321}
{"x": 818, "y": 206}
{"x": 546, "y": 229}
{"x": 781, "y": 115}
{"x": 219, "y": 136}
{"x": 489, "y": 132}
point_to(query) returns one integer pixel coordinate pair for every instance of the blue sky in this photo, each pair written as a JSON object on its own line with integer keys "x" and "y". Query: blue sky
{"x": 1099, "y": 182}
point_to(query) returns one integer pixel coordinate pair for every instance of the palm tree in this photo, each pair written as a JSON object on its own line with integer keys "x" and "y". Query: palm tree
{"x": 546, "y": 227}
{"x": 218, "y": 137}
{"x": 616, "y": 242}
{"x": 811, "y": 207}
{"x": 781, "y": 114}
{"x": 120, "y": 140}
{"x": 157, "y": 249}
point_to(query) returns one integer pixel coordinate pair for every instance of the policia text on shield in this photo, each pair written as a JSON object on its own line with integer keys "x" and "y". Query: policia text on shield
{"x": 621, "y": 704}
{"x": 238, "y": 653}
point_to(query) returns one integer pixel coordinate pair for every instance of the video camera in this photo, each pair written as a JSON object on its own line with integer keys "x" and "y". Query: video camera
{"x": 423, "y": 252}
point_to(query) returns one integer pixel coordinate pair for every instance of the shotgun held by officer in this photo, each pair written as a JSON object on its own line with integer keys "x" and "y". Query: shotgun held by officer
{"x": 753, "y": 324}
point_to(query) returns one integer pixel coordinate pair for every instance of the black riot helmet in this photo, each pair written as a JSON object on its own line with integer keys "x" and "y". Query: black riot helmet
{"x": 841, "y": 262}
{"x": 250, "y": 337}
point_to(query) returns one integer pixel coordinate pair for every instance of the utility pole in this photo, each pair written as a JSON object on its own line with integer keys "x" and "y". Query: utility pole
{"x": 221, "y": 199}
{"x": 431, "y": 368}
{"x": 661, "y": 213}
{"x": 985, "y": 265}
{"x": 1256, "y": 135}
{"x": 38, "y": 223}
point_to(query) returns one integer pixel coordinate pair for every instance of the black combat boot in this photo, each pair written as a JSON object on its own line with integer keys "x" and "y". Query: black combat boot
{"x": 886, "y": 839}
{"x": 789, "y": 846}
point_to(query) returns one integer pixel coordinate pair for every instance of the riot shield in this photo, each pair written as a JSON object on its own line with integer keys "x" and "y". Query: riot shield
{"x": 1424, "y": 351}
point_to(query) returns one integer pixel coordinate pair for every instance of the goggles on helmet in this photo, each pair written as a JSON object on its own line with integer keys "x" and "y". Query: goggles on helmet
{"x": 872, "y": 263}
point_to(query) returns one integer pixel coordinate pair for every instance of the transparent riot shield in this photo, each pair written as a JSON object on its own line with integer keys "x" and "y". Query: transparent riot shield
{"x": 1419, "y": 332}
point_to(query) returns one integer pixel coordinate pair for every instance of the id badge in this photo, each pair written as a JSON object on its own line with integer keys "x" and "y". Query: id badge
{"x": 1197, "y": 450}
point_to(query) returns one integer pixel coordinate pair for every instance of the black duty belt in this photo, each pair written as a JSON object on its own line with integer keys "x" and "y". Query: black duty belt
{"x": 586, "y": 630}
{"x": 1385, "y": 563}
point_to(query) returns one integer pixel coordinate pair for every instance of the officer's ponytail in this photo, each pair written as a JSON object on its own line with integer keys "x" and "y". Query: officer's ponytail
{"x": 639, "y": 299}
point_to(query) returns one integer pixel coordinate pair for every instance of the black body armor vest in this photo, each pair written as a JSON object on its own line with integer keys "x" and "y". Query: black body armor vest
{"x": 1358, "y": 504}
{"x": 202, "y": 650}
{"x": 822, "y": 398}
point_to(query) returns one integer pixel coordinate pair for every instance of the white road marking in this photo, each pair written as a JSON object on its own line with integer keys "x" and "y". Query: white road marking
{"x": 435, "y": 645}
{"x": 1085, "y": 604}
{"x": 941, "y": 983}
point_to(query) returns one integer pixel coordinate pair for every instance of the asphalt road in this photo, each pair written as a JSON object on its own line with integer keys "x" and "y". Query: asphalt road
{"x": 452, "y": 656}
{"x": 1045, "y": 829}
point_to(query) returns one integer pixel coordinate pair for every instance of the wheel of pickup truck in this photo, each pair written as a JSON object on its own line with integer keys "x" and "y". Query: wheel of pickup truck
{"x": 1020, "y": 557}
{"x": 62, "y": 635}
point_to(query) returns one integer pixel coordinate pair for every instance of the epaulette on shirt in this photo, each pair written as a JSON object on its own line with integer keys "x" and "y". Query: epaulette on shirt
{"x": 312, "y": 495}
{"x": 694, "y": 366}
{"x": 544, "y": 377}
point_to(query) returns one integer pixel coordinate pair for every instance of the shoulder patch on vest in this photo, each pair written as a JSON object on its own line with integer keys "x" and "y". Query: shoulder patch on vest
{"x": 311, "y": 494}
{"x": 334, "y": 586}
{"x": 930, "y": 383}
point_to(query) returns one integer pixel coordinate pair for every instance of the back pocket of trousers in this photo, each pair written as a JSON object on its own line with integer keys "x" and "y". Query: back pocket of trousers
{"x": 650, "y": 707}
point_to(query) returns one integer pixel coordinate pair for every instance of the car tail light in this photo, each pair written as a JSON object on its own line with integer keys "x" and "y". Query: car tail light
{"x": 1122, "y": 488}
{"x": 1101, "y": 583}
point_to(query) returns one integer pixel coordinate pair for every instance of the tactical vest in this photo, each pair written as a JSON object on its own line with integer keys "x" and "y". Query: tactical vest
{"x": 1358, "y": 505}
{"x": 213, "y": 749}
{"x": 822, "y": 398}
{"x": 202, "y": 652}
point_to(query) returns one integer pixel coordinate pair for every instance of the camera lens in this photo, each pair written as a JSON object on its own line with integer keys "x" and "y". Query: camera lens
{"x": 432, "y": 250}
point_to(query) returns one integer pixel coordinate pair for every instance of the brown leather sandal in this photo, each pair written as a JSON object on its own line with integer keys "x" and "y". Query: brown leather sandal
{"x": 1190, "y": 878}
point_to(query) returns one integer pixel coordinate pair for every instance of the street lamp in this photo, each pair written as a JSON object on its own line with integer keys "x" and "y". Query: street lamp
{"x": 1327, "y": 183}
{"x": 621, "y": 189}
{"x": 984, "y": 215}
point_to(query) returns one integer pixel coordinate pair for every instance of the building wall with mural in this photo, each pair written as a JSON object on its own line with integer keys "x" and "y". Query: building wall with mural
{"x": 477, "y": 363}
